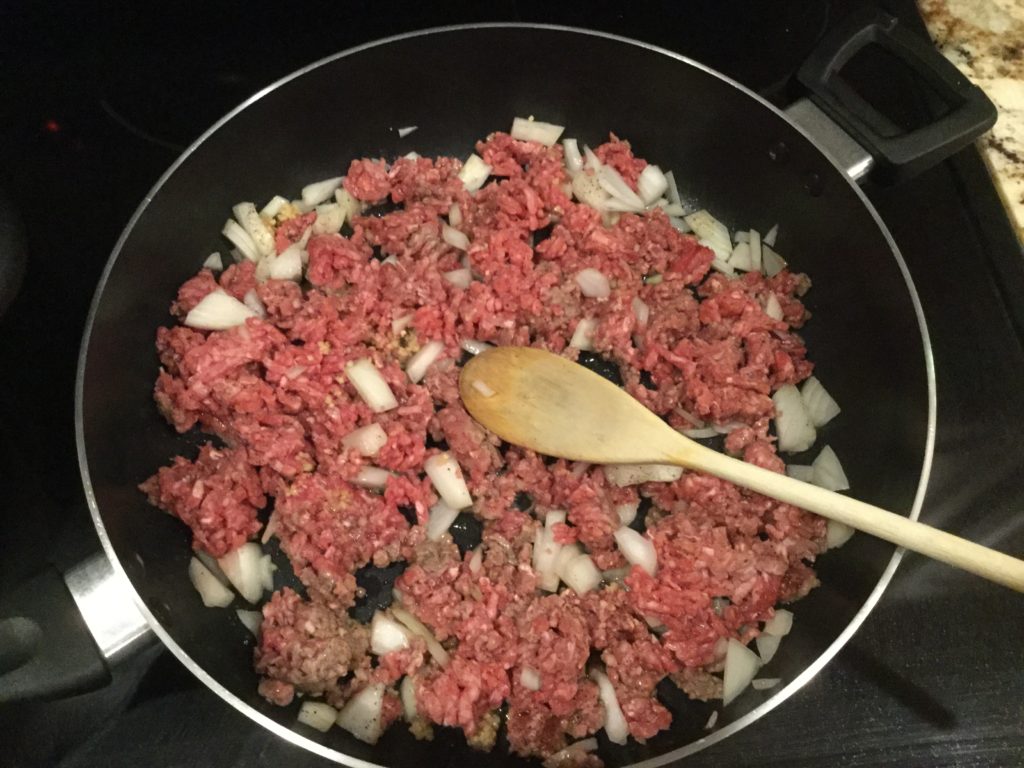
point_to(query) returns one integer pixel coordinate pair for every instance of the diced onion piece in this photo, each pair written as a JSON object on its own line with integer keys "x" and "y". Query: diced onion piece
{"x": 741, "y": 664}
{"x": 672, "y": 210}
{"x": 828, "y": 472}
{"x": 719, "y": 265}
{"x": 319, "y": 191}
{"x": 329, "y": 218}
{"x": 651, "y": 184}
{"x": 273, "y": 206}
{"x": 713, "y": 232}
{"x": 406, "y": 130}
{"x": 769, "y": 238}
{"x": 482, "y": 388}
{"x": 837, "y": 534}
{"x": 700, "y": 433}
{"x": 524, "y": 129}
{"x": 792, "y": 422}
{"x": 234, "y": 232}
{"x": 773, "y": 309}
{"x": 554, "y": 517}
{"x": 255, "y": 227}
{"x": 244, "y": 570}
{"x": 587, "y": 190}
{"x": 712, "y": 719}
{"x": 615, "y": 574}
{"x": 671, "y": 190}
{"x": 767, "y": 647}
{"x": 211, "y": 564}
{"x": 771, "y": 261}
{"x": 361, "y": 716}
{"x": 581, "y": 575}
{"x": 301, "y": 207}
{"x": 366, "y": 441}
{"x": 592, "y": 161}
{"x": 740, "y": 258}
{"x": 697, "y": 422}
{"x": 573, "y": 158}
{"x": 545, "y": 553}
{"x": 371, "y": 385}
{"x": 741, "y": 236}
{"x": 634, "y": 474}
{"x": 407, "y": 690}
{"x": 399, "y": 324}
{"x": 615, "y": 726}
{"x": 454, "y": 238}
{"x": 269, "y": 531}
{"x": 780, "y": 624}
{"x": 729, "y": 426}
{"x": 318, "y": 715}
{"x": 765, "y": 683}
{"x": 568, "y": 755}
{"x": 593, "y": 283}
{"x": 642, "y": 311}
{"x": 474, "y": 173}
{"x": 349, "y": 204}
{"x": 287, "y": 265}
{"x": 475, "y": 347}
{"x": 214, "y": 262}
{"x": 614, "y": 205}
{"x": 637, "y": 549}
{"x": 530, "y": 679}
{"x": 819, "y": 403}
{"x": 253, "y": 302}
{"x": 420, "y": 363}
{"x": 218, "y": 311}
{"x": 755, "y": 250}
{"x": 565, "y": 555}
{"x": 455, "y": 215}
{"x": 460, "y": 278}
{"x": 802, "y": 472}
{"x": 613, "y": 183}
{"x": 627, "y": 512}
{"x": 251, "y": 620}
{"x": 446, "y": 475}
{"x": 372, "y": 477}
{"x": 441, "y": 518}
{"x": 387, "y": 635}
{"x": 267, "y": 569}
{"x": 417, "y": 627}
{"x": 213, "y": 593}
{"x": 583, "y": 337}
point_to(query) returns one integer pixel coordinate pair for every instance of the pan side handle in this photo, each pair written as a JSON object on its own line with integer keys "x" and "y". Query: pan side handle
{"x": 59, "y": 634}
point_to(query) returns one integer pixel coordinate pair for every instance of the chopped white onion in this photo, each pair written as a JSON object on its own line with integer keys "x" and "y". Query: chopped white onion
{"x": 712, "y": 719}
{"x": 319, "y": 191}
{"x": 700, "y": 433}
{"x": 460, "y": 278}
{"x": 771, "y": 261}
{"x": 755, "y": 250}
{"x": 268, "y": 531}
{"x": 211, "y": 564}
{"x": 474, "y": 173}
{"x": 593, "y": 283}
{"x": 713, "y": 232}
{"x": 273, "y": 206}
{"x": 318, "y": 715}
{"x": 545, "y": 553}
{"x": 828, "y": 472}
{"x": 697, "y": 422}
{"x": 482, "y": 388}
{"x": 819, "y": 403}
{"x": 349, "y": 204}
{"x": 615, "y": 726}
{"x": 417, "y": 627}
{"x": 568, "y": 755}
{"x": 454, "y": 238}
{"x": 583, "y": 337}
{"x": 651, "y": 184}
{"x": 301, "y": 207}
{"x": 329, "y": 218}
{"x": 418, "y": 365}
{"x": 581, "y": 575}
{"x": 741, "y": 236}
{"x": 587, "y": 190}
{"x": 446, "y": 475}
{"x": 441, "y": 518}
{"x": 372, "y": 477}
{"x": 234, "y": 232}
{"x": 780, "y": 624}
{"x": 837, "y": 534}
{"x": 634, "y": 474}
{"x": 769, "y": 238}
{"x": 361, "y": 716}
{"x": 740, "y": 258}
{"x": 566, "y": 554}
{"x": 255, "y": 227}
{"x": 614, "y": 205}
{"x": 802, "y": 472}
{"x": 455, "y": 215}
{"x": 366, "y": 441}
{"x": 528, "y": 129}
{"x": 267, "y": 569}
{"x": 592, "y": 161}
{"x": 637, "y": 549}
{"x": 253, "y": 302}
{"x": 251, "y": 620}
{"x": 387, "y": 635}
{"x": 573, "y": 158}
{"x": 371, "y": 385}
{"x": 530, "y": 679}
{"x": 765, "y": 683}
{"x": 399, "y": 324}
{"x": 741, "y": 664}
{"x": 642, "y": 311}
{"x": 627, "y": 512}
{"x": 792, "y": 422}
{"x": 672, "y": 191}
{"x": 773, "y": 309}
{"x": 407, "y": 690}
{"x": 218, "y": 311}
{"x": 213, "y": 593}
{"x": 245, "y": 571}
{"x": 613, "y": 183}
{"x": 406, "y": 130}
{"x": 767, "y": 647}
{"x": 214, "y": 262}
{"x": 287, "y": 265}
{"x": 672, "y": 210}
{"x": 718, "y": 265}
{"x": 474, "y": 347}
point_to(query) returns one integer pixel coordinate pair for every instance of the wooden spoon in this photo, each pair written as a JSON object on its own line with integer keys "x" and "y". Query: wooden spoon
{"x": 551, "y": 405}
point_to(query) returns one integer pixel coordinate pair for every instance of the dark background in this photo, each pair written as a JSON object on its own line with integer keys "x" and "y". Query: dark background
{"x": 98, "y": 99}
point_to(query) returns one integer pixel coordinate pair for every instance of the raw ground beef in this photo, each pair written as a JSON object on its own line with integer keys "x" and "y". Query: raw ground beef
{"x": 274, "y": 390}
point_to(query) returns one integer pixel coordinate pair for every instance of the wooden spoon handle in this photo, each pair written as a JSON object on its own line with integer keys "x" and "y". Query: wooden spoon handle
{"x": 937, "y": 544}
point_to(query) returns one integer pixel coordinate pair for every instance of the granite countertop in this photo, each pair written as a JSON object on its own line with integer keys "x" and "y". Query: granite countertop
{"x": 985, "y": 39}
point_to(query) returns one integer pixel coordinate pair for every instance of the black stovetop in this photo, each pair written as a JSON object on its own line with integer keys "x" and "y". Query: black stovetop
{"x": 99, "y": 98}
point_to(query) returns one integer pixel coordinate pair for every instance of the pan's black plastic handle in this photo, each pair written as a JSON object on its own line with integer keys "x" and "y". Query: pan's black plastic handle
{"x": 897, "y": 153}
{"x": 46, "y": 649}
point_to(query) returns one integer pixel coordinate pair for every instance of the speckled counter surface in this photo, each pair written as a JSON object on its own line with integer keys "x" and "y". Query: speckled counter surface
{"x": 985, "y": 39}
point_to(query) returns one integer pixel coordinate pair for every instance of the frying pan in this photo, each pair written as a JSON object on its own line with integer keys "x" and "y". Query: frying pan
{"x": 732, "y": 152}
